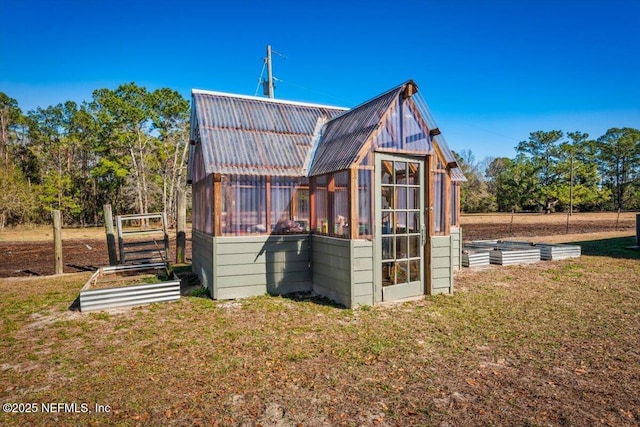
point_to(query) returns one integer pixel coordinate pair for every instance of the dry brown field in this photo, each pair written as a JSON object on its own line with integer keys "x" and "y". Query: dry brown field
{"x": 549, "y": 344}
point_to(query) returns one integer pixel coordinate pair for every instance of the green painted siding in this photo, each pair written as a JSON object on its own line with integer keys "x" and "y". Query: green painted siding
{"x": 441, "y": 265}
{"x": 343, "y": 270}
{"x": 456, "y": 248}
{"x": 331, "y": 268}
{"x": 362, "y": 272}
{"x": 255, "y": 265}
{"x": 202, "y": 257}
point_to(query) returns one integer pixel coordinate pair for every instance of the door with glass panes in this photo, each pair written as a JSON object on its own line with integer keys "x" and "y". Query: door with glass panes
{"x": 401, "y": 231}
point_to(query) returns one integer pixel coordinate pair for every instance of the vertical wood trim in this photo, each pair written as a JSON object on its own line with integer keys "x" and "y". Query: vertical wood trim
{"x": 217, "y": 205}
{"x": 313, "y": 220}
{"x": 268, "y": 204}
{"x": 447, "y": 204}
{"x": 353, "y": 203}
{"x": 430, "y": 189}
{"x": 111, "y": 238}
{"x": 377, "y": 234}
{"x": 429, "y": 220}
{"x": 293, "y": 209}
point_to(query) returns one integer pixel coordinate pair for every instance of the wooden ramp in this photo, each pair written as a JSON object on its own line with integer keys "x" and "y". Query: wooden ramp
{"x": 143, "y": 238}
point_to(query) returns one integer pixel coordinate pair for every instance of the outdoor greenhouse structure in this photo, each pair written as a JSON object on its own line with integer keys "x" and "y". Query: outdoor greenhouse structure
{"x": 359, "y": 205}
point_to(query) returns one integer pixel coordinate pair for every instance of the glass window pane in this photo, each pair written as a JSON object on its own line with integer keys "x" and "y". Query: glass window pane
{"x": 414, "y": 174}
{"x": 340, "y": 213}
{"x": 387, "y": 248}
{"x": 364, "y": 202}
{"x": 388, "y": 274}
{"x": 438, "y": 202}
{"x": 401, "y": 247}
{"x": 454, "y": 203}
{"x": 401, "y": 197}
{"x": 245, "y": 205}
{"x": 302, "y": 213}
{"x": 402, "y": 272}
{"x": 401, "y": 172}
{"x": 413, "y": 200}
{"x": 387, "y": 222}
{"x": 414, "y": 270}
{"x": 386, "y": 172}
{"x": 413, "y": 222}
{"x": 387, "y": 198}
{"x": 322, "y": 221}
{"x": 414, "y": 246}
{"x": 401, "y": 222}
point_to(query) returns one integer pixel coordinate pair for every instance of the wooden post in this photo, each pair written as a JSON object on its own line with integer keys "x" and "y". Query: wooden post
{"x": 511, "y": 223}
{"x": 111, "y": 237}
{"x": 120, "y": 240}
{"x": 638, "y": 229}
{"x": 313, "y": 224}
{"x": 165, "y": 257}
{"x": 57, "y": 241}
{"x": 181, "y": 227}
{"x": 217, "y": 206}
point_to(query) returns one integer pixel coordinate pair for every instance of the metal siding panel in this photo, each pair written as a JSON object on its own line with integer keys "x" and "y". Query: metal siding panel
{"x": 235, "y": 129}
{"x": 100, "y": 299}
{"x": 345, "y": 135}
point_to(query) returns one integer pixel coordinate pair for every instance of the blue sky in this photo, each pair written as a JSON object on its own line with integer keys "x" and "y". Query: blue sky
{"x": 492, "y": 71}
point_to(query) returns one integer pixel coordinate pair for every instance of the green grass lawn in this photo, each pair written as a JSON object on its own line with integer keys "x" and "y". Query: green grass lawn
{"x": 555, "y": 343}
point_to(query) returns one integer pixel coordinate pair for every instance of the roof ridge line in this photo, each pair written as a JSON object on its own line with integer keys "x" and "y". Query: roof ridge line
{"x": 272, "y": 100}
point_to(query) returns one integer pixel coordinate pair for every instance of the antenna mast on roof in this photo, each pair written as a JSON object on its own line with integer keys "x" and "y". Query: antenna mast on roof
{"x": 267, "y": 85}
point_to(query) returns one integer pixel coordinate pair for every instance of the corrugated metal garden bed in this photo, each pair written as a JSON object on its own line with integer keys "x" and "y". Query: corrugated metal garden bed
{"x": 549, "y": 251}
{"x": 475, "y": 258}
{"x": 504, "y": 252}
{"x": 129, "y": 285}
{"x": 501, "y": 254}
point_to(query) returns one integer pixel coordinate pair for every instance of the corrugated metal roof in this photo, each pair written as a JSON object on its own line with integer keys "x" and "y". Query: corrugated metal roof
{"x": 256, "y": 136}
{"x": 345, "y": 135}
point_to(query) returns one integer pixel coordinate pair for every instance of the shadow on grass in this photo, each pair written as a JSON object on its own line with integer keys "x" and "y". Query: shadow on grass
{"x": 312, "y": 297}
{"x": 75, "y": 305}
{"x": 613, "y": 248}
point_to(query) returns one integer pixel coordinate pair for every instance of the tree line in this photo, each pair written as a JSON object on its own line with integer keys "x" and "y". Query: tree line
{"x": 557, "y": 172}
{"x": 129, "y": 147}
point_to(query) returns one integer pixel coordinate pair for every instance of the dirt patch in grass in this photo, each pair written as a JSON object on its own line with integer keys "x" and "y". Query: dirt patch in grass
{"x": 81, "y": 252}
{"x": 554, "y": 343}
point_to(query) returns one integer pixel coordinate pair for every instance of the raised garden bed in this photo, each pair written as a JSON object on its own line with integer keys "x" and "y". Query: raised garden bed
{"x": 475, "y": 258}
{"x": 505, "y": 254}
{"x": 129, "y": 285}
{"x": 549, "y": 251}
